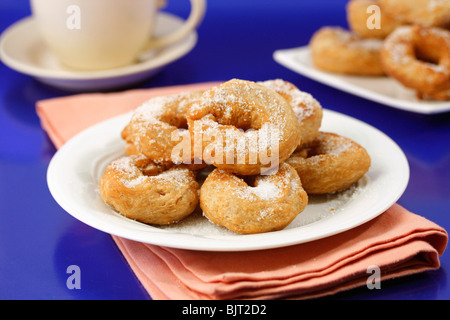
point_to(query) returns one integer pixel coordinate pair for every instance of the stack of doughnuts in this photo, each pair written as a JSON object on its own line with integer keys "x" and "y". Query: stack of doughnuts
{"x": 247, "y": 154}
{"x": 406, "y": 40}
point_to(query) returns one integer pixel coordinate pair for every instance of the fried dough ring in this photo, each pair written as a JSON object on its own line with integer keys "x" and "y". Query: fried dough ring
{"x": 357, "y": 17}
{"x": 428, "y": 13}
{"x": 331, "y": 164}
{"x": 153, "y": 123}
{"x": 405, "y": 57}
{"x": 337, "y": 50}
{"x": 307, "y": 109}
{"x": 243, "y": 127}
{"x": 141, "y": 190}
{"x": 269, "y": 205}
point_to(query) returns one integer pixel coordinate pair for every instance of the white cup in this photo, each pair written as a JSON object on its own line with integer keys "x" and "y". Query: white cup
{"x": 105, "y": 34}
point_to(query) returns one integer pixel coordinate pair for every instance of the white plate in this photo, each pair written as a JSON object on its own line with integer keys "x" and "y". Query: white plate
{"x": 22, "y": 49}
{"x": 75, "y": 169}
{"x": 384, "y": 90}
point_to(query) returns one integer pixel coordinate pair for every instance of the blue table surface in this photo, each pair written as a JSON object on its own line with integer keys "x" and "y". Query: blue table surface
{"x": 39, "y": 240}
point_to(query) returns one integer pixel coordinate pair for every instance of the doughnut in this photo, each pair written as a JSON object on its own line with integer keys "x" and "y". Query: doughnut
{"x": 158, "y": 125}
{"x": 263, "y": 203}
{"x": 307, "y": 109}
{"x": 150, "y": 193}
{"x": 337, "y": 50}
{"x": 330, "y": 164}
{"x": 357, "y": 18}
{"x": 243, "y": 127}
{"x": 419, "y": 58}
{"x": 428, "y": 13}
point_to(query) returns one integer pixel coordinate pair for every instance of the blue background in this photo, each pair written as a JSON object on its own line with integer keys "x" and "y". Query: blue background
{"x": 38, "y": 240}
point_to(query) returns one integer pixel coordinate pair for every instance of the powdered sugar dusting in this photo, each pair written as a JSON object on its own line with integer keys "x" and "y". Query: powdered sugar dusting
{"x": 327, "y": 146}
{"x": 438, "y": 68}
{"x": 397, "y": 45}
{"x": 302, "y": 102}
{"x": 132, "y": 176}
{"x": 178, "y": 176}
{"x": 151, "y": 110}
{"x": 340, "y": 147}
{"x": 240, "y": 101}
{"x": 266, "y": 188}
{"x": 125, "y": 166}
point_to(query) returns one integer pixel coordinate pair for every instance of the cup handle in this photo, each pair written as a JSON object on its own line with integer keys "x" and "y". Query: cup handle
{"x": 198, "y": 8}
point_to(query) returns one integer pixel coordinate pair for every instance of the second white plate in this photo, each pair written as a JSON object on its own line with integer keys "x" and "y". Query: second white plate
{"x": 75, "y": 170}
{"x": 383, "y": 90}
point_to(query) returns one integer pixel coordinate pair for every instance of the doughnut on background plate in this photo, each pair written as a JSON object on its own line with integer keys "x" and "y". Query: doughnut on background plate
{"x": 383, "y": 90}
{"x": 75, "y": 169}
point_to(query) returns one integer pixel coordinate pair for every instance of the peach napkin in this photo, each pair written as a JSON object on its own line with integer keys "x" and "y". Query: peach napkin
{"x": 397, "y": 242}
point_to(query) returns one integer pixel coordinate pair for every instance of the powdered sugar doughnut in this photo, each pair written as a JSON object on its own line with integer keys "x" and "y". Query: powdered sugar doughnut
{"x": 428, "y": 13}
{"x": 307, "y": 109}
{"x": 357, "y": 18}
{"x": 153, "y": 123}
{"x": 268, "y": 203}
{"x": 419, "y": 58}
{"x": 243, "y": 127}
{"x": 141, "y": 190}
{"x": 332, "y": 163}
{"x": 337, "y": 50}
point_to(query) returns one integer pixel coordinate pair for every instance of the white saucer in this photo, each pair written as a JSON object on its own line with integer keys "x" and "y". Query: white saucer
{"x": 22, "y": 49}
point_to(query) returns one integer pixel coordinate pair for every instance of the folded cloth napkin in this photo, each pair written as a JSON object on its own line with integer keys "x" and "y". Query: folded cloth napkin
{"x": 396, "y": 243}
